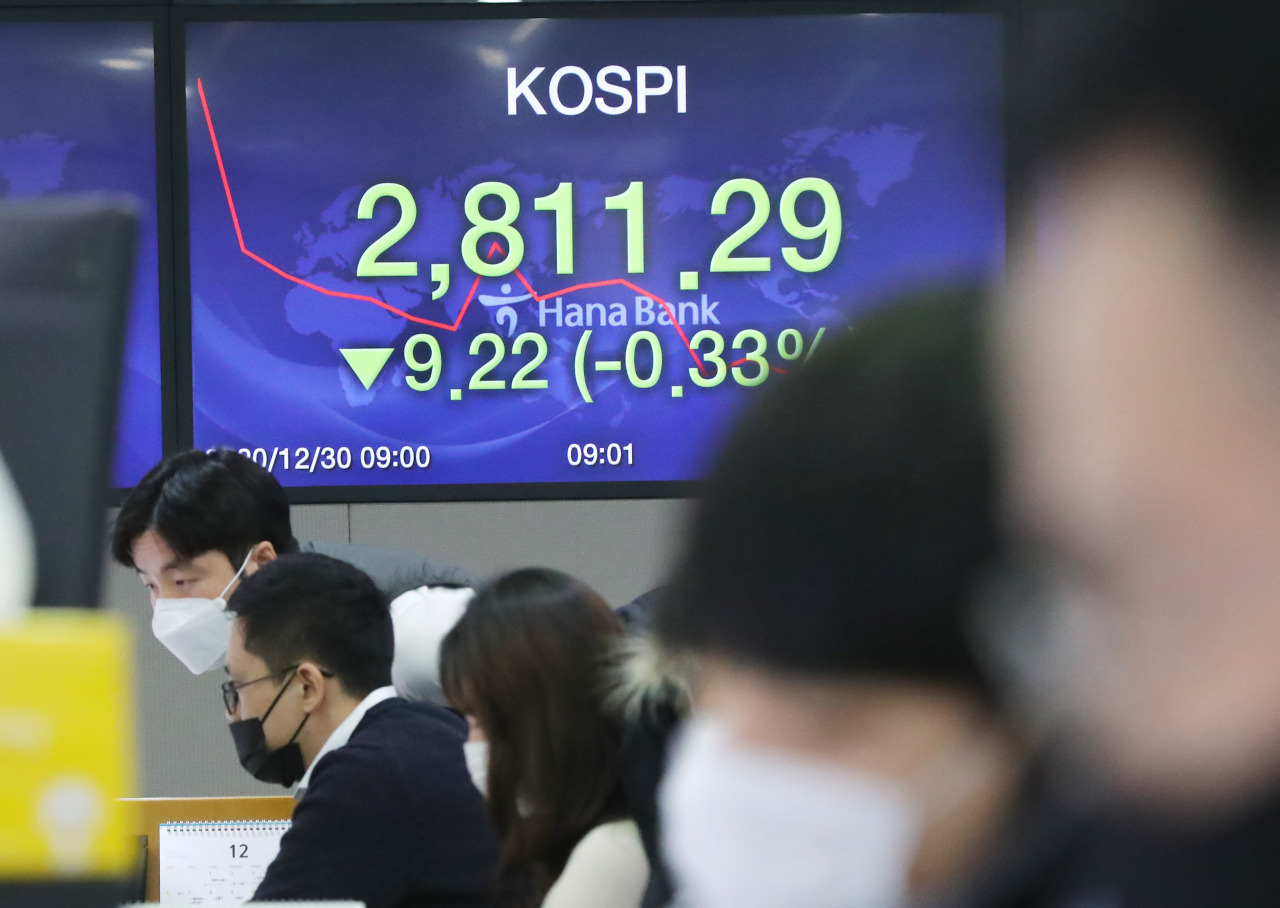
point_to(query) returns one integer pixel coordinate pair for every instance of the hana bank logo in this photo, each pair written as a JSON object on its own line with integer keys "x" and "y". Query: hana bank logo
{"x": 505, "y": 304}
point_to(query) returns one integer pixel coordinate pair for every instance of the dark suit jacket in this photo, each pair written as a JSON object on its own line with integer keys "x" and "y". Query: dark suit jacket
{"x": 391, "y": 819}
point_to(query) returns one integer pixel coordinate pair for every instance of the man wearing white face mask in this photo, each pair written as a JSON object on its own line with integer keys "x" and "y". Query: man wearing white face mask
{"x": 846, "y": 749}
{"x": 193, "y": 628}
{"x": 198, "y": 523}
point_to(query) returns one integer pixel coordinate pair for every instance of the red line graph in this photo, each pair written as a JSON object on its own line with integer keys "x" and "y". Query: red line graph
{"x": 445, "y": 326}
{"x": 744, "y": 361}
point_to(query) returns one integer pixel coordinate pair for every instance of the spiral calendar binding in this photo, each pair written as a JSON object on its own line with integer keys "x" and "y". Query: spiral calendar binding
{"x": 228, "y": 827}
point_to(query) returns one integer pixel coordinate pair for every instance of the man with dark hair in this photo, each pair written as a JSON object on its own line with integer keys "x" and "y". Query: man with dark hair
{"x": 1142, "y": 360}
{"x": 198, "y": 522}
{"x": 389, "y": 816}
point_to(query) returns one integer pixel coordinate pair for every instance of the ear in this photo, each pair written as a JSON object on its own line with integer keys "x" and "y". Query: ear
{"x": 314, "y": 685}
{"x": 260, "y": 554}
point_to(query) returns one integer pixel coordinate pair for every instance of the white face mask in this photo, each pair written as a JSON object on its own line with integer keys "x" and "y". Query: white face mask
{"x": 196, "y": 630}
{"x": 476, "y": 754}
{"x": 750, "y": 828}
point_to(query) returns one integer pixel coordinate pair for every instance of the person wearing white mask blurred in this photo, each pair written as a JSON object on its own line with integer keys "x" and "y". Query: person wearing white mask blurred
{"x": 1141, "y": 364}
{"x": 846, "y": 748}
{"x": 199, "y": 522}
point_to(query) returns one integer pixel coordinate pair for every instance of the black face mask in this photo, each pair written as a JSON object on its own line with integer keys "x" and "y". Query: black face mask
{"x": 282, "y": 766}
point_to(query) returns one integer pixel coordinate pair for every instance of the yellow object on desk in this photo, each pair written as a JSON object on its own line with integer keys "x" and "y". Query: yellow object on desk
{"x": 66, "y": 746}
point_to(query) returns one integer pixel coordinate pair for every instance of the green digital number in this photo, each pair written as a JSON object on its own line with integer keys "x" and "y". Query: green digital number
{"x": 522, "y": 382}
{"x": 723, "y": 259}
{"x": 755, "y": 357}
{"x": 561, "y": 203}
{"x": 431, "y": 365}
{"x": 829, "y": 226}
{"x": 631, "y": 200}
{"x": 471, "y": 254}
{"x": 478, "y": 381}
{"x": 369, "y": 266}
{"x": 712, "y": 356}
{"x": 655, "y": 368}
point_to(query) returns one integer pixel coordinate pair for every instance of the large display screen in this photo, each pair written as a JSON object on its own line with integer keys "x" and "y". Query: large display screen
{"x": 553, "y": 254}
{"x": 78, "y": 114}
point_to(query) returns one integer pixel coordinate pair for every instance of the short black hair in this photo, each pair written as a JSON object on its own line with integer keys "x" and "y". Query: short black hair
{"x": 1203, "y": 77}
{"x": 201, "y": 502}
{"x": 852, "y": 513}
{"x": 308, "y": 606}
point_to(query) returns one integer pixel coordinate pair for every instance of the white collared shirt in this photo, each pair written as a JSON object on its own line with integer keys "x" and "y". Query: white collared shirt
{"x": 342, "y": 734}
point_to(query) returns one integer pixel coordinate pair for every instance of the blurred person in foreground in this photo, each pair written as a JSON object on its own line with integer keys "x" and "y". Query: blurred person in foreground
{"x": 1141, "y": 341}
{"x": 388, "y": 816}
{"x": 846, "y": 748}
{"x": 528, "y": 664}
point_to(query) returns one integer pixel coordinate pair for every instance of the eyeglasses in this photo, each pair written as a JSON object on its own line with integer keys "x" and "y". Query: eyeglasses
{"x": 231, "y": 689}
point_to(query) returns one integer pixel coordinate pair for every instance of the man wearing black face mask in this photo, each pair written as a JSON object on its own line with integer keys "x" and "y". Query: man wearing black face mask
{"x": 387, "y": 813}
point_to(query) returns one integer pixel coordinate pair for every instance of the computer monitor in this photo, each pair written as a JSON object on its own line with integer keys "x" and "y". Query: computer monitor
{"x": 65, "y": 270}
{"x": 78, "y": 114}
{"x": 518, "y": 251}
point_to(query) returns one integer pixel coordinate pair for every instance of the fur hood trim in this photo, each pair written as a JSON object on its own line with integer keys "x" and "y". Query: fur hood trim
{"x": 643, "y": 673}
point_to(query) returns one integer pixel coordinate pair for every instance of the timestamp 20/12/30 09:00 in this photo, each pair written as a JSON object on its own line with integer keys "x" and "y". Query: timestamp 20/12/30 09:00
{"x": 328, "y": 458}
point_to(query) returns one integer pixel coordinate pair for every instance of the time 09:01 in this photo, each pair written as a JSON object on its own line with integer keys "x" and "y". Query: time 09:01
{"x": 590, "y": 455}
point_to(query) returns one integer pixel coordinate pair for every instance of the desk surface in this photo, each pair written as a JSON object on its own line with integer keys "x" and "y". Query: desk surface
{"x": 151, "y": 812}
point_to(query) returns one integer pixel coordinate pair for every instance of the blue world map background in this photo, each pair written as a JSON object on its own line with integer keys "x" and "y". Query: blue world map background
{"x": 901, "y": 114}
{"x": 78, "y": 115}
